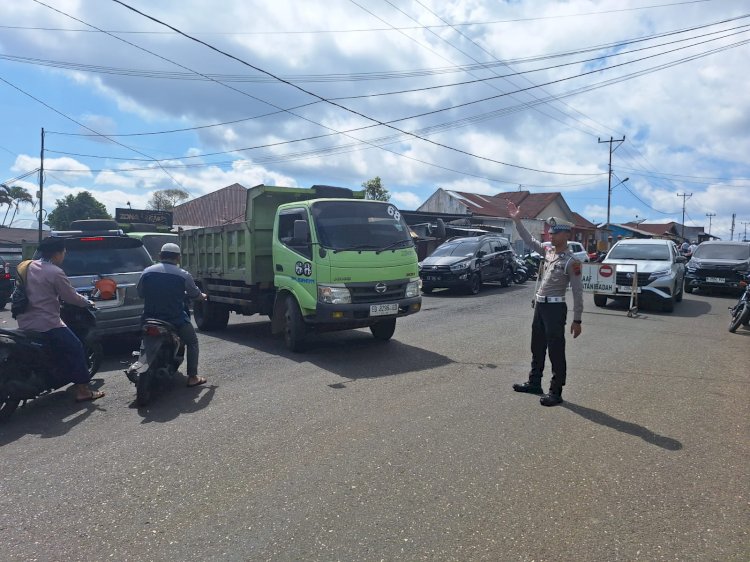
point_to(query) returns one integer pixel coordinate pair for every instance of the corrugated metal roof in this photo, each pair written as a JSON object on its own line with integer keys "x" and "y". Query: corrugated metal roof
{"x": 223, "y": 206}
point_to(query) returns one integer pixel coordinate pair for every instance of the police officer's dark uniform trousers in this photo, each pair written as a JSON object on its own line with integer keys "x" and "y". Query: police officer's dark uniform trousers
{"x": 550, "y": 315}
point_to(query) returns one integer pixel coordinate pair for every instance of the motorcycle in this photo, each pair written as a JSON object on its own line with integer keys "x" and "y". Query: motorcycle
{"x": 740, "y": 312}
{"x": 28, "y": 364}
{"x": 531, "y": 262}
{"x": 520, "y": 273}
{"x": 161, "y": 354}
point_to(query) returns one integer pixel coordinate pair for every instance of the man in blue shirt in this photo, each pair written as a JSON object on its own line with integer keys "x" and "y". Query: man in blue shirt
{"x": 163, "y": 287}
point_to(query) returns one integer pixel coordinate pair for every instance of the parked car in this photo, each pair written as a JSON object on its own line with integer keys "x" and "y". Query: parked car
{"x": 153, "y": 241}
{"x": 7, "y": 282}
{"x": 92, "y": 254}
{"x": 575, "y": 248}
{"x": 718, "y": 265}
{"x": 660, "y": 271}
{"x": 467, "y": 262}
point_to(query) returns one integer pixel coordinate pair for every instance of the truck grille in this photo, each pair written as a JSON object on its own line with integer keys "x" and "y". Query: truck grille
{"x": 377, "y": 292}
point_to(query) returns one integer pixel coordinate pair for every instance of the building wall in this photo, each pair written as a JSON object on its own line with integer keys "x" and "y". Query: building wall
{"x": 441, "y": 202}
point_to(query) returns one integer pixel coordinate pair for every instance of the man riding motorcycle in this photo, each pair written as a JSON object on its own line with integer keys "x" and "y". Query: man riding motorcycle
{"x": 163, "y": 287}
{"x": 46, "y": 285}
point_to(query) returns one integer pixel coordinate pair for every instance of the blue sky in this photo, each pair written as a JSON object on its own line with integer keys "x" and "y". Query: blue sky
{"x": 686, "y": 122}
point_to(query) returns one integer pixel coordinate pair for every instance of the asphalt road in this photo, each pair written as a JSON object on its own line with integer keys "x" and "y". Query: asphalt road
{"x": 416, "y": 449}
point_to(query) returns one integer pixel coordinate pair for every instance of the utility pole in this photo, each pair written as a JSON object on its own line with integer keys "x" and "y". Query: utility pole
{"x": 41, "y": 187}
{"x": 744, "y": 238}
{"x": 731, "y": 231}
{"x": 609, "y": 184}
{"x": 685, "y": 197}
{"x": 709, "y": 215}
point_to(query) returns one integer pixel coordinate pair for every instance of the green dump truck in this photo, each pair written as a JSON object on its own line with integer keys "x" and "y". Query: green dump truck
{"x": 317, "y": 259}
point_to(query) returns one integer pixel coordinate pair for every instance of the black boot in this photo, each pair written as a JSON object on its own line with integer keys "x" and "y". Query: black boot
{"x": 553, "y": 397}
{"x": 533, "y": 386}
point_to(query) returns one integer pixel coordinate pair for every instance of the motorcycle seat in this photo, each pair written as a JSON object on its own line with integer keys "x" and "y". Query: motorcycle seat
{"x": 158, "y": 322}
{"x": 22, "y": 334}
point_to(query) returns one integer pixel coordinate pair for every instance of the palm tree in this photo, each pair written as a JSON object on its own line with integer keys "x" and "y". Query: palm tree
{"x": 14, "y": 195}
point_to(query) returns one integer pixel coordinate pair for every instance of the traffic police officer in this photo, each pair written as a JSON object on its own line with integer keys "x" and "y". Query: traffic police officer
{"x": 550, "y": 311}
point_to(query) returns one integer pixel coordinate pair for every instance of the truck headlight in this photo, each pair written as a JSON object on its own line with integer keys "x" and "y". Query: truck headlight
{"x": 412, "y": 288}
{"x": 460, "y": 266}
{"x": 661, "y": 273}
{"x": 334, "y": 295}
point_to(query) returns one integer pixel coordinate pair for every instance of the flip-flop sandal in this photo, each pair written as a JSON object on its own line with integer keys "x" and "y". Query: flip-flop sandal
{"x": 95, "y": 395}
{"x": 201, "y": 380}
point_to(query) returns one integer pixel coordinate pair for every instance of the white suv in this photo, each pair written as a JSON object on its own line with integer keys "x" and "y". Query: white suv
{"x": 575, "y": 248}
{"x": 661, "y": 271}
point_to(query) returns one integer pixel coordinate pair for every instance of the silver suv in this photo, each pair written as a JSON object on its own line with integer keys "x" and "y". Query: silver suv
{"x": 660, "y": 270}
{"x": 92, "y": 255}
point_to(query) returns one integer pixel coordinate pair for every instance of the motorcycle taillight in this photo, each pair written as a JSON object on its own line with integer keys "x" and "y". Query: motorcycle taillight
{"x": 150, "y": 330}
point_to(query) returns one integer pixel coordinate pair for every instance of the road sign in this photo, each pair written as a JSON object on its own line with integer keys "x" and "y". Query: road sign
{"x": 599, "y": 278}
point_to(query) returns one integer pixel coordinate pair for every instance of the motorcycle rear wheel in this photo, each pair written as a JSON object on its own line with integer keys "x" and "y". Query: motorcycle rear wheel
{"x": 7, "y": 407}
{"x": 143, "y": 389}
{"x": 739, "y": 317}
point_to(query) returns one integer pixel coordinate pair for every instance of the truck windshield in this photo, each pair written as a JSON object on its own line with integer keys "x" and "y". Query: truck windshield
{"x": 658, "y": 252}
{"x": 343, "y": 225}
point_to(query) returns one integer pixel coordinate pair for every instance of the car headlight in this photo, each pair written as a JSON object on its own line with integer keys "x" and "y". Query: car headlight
{"x": 412, "y": 288}
{"x": 691, "y": 267}
{"x": 419, "y": 264}
{"x": 334, "y": 295}
{"x": 460, "y": 266}
{"x": 660, "y": 273}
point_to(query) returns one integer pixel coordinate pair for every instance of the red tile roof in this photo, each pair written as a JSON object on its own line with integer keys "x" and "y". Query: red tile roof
{"x": 223, "y": 206}
{"x": 582, "y": 222}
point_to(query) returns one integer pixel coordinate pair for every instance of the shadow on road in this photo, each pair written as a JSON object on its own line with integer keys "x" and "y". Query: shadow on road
{"x": 52, "y": 415}
{"x": 172, "y": 399}
{"x": 351, "y": 354}
{"x": 623, "y": 426}
{"x": 688, "y": 308}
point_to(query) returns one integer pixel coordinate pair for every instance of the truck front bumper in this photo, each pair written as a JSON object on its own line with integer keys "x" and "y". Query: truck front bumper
{"x": 362, "y": 314}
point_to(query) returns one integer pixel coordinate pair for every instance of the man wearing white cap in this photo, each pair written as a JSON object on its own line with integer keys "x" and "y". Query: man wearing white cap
{"x": 550, "y": 311}
{"x": 163, "y": 287}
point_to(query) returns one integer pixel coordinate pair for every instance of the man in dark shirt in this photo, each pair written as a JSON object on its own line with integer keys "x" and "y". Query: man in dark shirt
{"x": 163, "y": 287}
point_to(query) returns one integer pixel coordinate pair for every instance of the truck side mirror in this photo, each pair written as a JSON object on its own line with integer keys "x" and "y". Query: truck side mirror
{"x": 301, "y": 233}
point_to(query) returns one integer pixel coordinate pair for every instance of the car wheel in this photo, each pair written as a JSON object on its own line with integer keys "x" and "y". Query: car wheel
{"x": 600, "y": 300}
{"x": 475, "y": 284}
{"x": 678, "y": 296}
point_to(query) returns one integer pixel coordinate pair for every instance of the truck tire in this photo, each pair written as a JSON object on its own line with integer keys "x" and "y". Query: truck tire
{"x": 600, "y": 300}
{"x": 383, "y": 331}
{"x": 210, "y": 316}
{"x": 294, "y": 328}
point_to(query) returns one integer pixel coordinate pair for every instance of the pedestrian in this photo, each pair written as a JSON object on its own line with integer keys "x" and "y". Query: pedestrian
{"x": 550, "y": 310}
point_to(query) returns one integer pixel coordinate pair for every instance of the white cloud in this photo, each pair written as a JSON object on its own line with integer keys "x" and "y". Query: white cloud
{"x": 406, "y": 200}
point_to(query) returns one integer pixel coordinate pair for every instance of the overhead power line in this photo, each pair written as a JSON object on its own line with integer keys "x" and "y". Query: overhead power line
{"x": 322, "y": 31}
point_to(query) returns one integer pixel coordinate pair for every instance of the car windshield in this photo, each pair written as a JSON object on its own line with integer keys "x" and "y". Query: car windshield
{"x": 461, "y": 249}
{"x": 722, "y": 252}
{"x": 102, "y": 255}
{"x": 345, "y": 225}
{"x": 154, "y": 242}
{"x": 657, "y": 252}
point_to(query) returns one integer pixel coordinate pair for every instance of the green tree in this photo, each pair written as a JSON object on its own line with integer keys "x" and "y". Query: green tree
{"x": 374, "y": 190}
{"x": 75, "y": 207}
{"x": 13, "y": 196}
{"x": 167, "y": 199}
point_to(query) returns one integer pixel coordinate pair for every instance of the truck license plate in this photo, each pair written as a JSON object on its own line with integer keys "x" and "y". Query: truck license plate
{"x": 715, "y": 280}
{"x": 383, "y": 309}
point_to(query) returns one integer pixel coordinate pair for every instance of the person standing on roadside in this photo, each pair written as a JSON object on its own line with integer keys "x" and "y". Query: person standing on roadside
{"x": 550, "y": 310}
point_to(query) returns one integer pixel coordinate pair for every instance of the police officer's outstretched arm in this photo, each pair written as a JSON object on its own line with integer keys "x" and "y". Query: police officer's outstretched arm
{"x": 515, "y": 213}
{"x": 576, "y": 286}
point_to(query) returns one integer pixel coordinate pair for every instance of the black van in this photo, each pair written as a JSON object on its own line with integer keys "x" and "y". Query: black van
{"x": 718, "y": 265}
{"x": 467, "y": 262}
